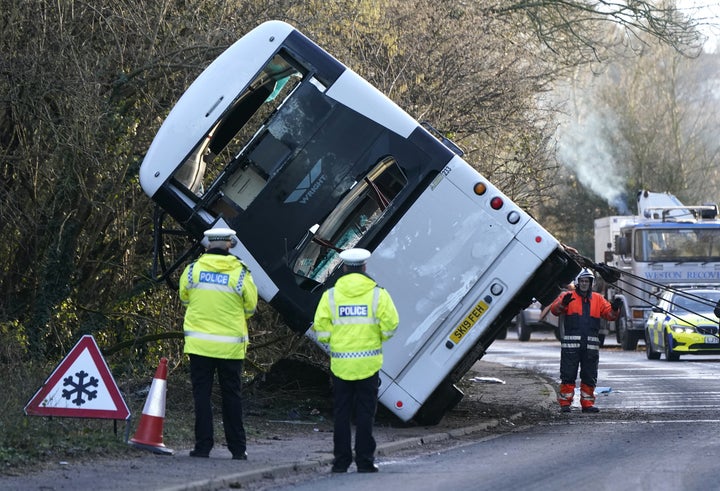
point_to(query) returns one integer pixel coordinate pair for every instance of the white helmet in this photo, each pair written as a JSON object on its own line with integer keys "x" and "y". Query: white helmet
{"x": 585, "y": 273}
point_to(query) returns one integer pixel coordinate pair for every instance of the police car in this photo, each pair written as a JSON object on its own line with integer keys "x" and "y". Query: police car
{"x": 683, "y": 323}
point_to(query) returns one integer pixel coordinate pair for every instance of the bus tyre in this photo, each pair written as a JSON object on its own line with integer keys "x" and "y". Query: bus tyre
{"x": 445, "y": 397}
{"x": 523, "y": 330}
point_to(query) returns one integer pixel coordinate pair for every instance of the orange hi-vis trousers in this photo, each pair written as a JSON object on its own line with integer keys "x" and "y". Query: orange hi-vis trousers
{"x": 567, "y": 392}
{"x": 587, "y": 395}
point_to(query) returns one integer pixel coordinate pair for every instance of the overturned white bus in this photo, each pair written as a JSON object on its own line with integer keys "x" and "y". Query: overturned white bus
{"x": 304, "y": 158}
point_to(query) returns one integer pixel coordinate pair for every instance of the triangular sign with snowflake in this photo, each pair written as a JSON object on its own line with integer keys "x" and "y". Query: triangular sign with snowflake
{"x": 80, "y": 387}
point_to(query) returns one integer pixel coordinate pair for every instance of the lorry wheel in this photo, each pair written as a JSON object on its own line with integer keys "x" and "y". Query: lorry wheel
{"x": 627, "y": 339}
{"x": 629, "y": 342}
{"x": 523, "y": 329}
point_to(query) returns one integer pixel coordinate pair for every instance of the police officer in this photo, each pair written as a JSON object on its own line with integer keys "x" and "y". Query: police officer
{"x": 354, "y": 318}
{"x": 220, "y": 296}
{"x": 580, "y": 345}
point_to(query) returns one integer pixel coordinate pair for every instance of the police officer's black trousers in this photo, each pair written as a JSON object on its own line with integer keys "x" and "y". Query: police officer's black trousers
{"x": 359, "y": 396}
{"x": 202, "y": 376}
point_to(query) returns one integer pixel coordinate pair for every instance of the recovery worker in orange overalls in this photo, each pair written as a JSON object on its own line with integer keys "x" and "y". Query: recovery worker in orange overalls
{"x": 580, "y": 346}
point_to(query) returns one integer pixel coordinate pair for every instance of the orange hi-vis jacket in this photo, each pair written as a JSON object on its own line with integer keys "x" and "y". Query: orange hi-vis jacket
{"x": 583, "y": 313}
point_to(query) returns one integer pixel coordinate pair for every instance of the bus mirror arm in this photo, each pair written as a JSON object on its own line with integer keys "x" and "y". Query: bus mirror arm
{"x": 319, "y": 240}
{"x": 310, "y": 235}
{"x": 326, "y": 243}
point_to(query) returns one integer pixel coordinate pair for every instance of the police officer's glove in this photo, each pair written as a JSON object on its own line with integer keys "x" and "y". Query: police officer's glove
{"x": 567, "y": 298}
{"x": 617, "y": 304}
{"x": 607, "y": 273}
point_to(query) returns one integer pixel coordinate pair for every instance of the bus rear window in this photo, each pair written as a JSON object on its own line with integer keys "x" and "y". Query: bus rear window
{"x": 362, "y": 207}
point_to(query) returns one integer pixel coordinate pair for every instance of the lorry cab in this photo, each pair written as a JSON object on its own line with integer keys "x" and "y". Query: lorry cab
{"x": 665, "y": 243}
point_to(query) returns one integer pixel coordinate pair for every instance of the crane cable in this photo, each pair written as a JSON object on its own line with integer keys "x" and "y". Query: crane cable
{"x": 613, "y": 275}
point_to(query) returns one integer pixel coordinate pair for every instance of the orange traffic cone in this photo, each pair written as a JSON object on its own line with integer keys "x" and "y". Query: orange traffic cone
{"x": 149, "y": 433}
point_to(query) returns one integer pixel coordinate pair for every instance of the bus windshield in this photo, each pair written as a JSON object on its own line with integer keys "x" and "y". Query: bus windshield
{"x": 678, "y": 245}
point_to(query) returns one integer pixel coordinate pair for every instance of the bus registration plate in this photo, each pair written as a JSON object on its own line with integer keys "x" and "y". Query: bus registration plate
{"x": 468, "y": 322}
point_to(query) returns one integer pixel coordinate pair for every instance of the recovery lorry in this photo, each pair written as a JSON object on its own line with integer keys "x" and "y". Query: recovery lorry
{"x": 667, "y": 244}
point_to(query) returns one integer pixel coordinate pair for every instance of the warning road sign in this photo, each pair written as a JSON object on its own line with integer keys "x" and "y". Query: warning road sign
{"x": 80, "y": 387}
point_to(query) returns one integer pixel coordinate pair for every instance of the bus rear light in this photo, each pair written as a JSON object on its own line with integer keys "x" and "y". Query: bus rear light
{"x": 538, "y": 239}
{"x": 513, "y": 217}
{"x": 480, "y": 188}
{"x": 399, "y": 404}
{"x": 496, "y": 203}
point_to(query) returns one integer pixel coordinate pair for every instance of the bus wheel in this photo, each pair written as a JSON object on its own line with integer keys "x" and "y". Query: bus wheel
{"x": 445, "y": 397}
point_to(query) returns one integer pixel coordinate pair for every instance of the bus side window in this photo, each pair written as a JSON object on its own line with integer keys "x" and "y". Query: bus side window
{"x": 318, "y": 253}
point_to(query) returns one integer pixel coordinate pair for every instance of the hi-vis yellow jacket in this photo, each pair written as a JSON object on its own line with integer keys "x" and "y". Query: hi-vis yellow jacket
{"x": 220, "y": 296}
{"x": 354, "y": 318}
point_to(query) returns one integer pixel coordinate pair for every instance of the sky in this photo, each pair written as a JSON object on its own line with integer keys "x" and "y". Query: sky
{"x": 706, "y": 12}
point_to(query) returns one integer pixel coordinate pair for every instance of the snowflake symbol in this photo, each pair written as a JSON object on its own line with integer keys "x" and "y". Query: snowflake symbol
{"x": 80, "y": 388}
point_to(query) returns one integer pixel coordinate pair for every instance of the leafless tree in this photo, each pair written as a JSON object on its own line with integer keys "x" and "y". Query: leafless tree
{"x": 85, "y": 85}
